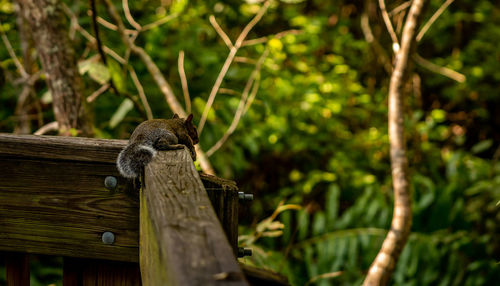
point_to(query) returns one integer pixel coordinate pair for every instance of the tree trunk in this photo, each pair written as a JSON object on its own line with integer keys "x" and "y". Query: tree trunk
{"x": 49, "y": 29}
{"x": 383, "y": 266}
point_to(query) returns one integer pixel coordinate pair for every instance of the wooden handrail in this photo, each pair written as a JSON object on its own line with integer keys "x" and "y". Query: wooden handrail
{"x": 181, "y": 239}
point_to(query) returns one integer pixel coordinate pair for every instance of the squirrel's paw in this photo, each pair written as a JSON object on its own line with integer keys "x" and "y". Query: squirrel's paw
{"x": 164, "y": 144}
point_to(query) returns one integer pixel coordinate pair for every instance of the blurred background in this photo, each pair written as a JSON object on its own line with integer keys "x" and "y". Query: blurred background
{"x": 311, "y": 139}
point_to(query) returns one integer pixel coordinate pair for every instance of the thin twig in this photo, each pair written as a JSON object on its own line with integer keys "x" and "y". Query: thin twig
{"x": 439, "y": 69}
{"x": 279, "y": 35}
{"x": 107, "y": 24}
{"x": 153, "y": 69}
{"x": 98, "y": 92}
{"x": 52, "y": 126}
{"x": 221, "y": 32}
{"x": 159, "y": 22}
{"x": 433, "y": 19}
{"x": 97, "y": 37}
{"x": 182, "y": 75}
{"x": 89, "y": 37}
{"x": 253, "y": 94}
{"x": 324, "y": 276}
{"x": 229, "y": 60}
{"x": 400, "y": 21}
{"x": 12, "y": 54}
{"x": 367, "y": 31}
{"x": 388, "y": 24}
{"x": 400, "y": 8}
{"x": 140, "y": 90}
{"x": 229, "y": 91}
{"x": 244, "y": 60}
{"x": 241, "y": 106}
{"x": 129, "y": 17}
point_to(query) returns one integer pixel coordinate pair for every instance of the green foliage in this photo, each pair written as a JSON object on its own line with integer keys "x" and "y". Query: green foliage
{"x": 315, "y": 135}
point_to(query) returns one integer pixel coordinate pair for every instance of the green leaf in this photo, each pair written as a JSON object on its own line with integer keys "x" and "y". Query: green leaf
{"x": 482, "y": 146}
{"x": 120, "y": 113}
{"x": 99, "y": 72}
{"x": 117, "y": 76}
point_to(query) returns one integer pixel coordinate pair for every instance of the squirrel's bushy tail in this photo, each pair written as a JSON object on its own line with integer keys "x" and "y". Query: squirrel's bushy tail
{"x": 133, "y": 158}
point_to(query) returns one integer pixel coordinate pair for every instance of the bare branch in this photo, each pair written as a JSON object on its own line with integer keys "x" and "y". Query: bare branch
{"x": 279, "y": 35}
{"x": 52, "y": 126}
{"x": 244, "y": 60}
{"x": 314, "y": 279}
{"x": 253, "y": 94}
{"x": 229, "y": 60}
{"x": 229, "y": 91}
{"x": 150, "y": 65}
{"x": 107, "y": 24}
{"x": 203, "y": 160}
{"x": 400, "y": 8}
{"x": 221, "y": 32}
{"x": 241, "y": 106}
{"x": 367, "y": 31}
{"x": 383, "y": 266}
{"x": 129, "y": 17}
{"x": 159, "y": 22}
{"x": 439, "y": 69}
{"x": 433, "y": 19}
{"x": 89, "y": 37}
{"x": 141, "y": 92}
{"x": 388, "y": 24}
{"x": 12, "y": 54}
{"x": 98, "y": 92}
{"x": 182, "y": 75}
{"x": 159, "y": 79}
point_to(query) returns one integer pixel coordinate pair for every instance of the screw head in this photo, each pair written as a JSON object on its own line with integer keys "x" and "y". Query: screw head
{"x": 110, "y": 183}
{"x": 242, "y": 252}
{"x": 108, "y": 237}
{"x": 245, "y": 197}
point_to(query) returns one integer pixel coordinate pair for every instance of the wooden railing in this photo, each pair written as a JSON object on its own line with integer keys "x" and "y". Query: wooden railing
{"x": 64, "y": 197}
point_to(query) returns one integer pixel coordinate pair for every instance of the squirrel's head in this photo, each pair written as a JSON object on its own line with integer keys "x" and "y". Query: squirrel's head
{"x": 190, "y": 127}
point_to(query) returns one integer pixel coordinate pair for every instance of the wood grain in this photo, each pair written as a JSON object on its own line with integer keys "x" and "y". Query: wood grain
{"x": 17, "y": 269}
{"x": 181, "y": 240}
{"x": 93, "y": 272}
{"x": 62, "y": 208}
{"x": 64, "y": 148}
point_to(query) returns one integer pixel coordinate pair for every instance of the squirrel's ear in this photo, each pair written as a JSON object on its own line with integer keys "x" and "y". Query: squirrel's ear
{"x": 175, "y": 116}
{"x": 189, "y": 118}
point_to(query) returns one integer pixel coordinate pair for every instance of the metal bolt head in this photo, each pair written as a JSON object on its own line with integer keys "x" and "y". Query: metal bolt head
{"x": 110, "y": 183}
{"x": 108, "y": 237}
{"x": 242, "y": 252}
{"x": 245, "y": 197}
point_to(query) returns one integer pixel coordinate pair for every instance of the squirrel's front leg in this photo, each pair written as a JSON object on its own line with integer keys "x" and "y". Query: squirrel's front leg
{"x": 186, "y": 140}
{"x": 166, "y": 140}
{"x": 165, "y": 144}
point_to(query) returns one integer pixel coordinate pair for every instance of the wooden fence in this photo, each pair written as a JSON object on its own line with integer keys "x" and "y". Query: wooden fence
{"x": 63, "y": 196}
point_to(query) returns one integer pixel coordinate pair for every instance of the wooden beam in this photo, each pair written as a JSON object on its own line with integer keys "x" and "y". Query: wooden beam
{"x": 53, "y": 199}
{"x": 181, "y": 240}
{"x": 63, "y": 148}
{"x": 224, "y": 197}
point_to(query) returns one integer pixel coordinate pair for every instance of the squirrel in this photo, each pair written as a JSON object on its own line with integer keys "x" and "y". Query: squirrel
{"x": 152, "y": 136}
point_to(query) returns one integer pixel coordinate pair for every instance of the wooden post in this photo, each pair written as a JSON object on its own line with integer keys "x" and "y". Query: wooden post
{"x": 95, "y": 272}
{"x": 224, "y": 197}
{"x": 17, "y": 269}
{"x": 181, "y": 239}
